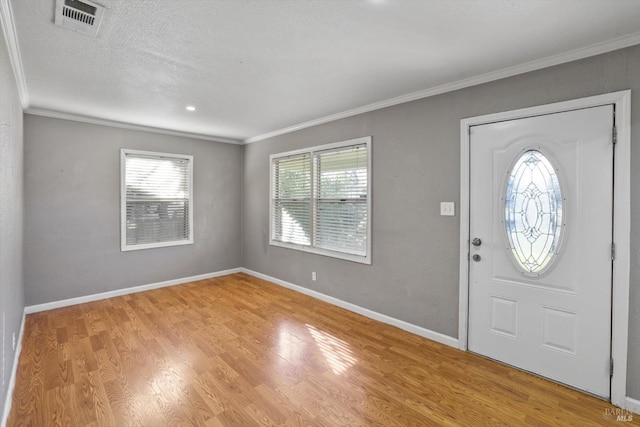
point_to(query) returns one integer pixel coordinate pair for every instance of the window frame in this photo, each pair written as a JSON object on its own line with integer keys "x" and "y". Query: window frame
{"x": 124, "y": 247}
{"x": 366, "y": 259}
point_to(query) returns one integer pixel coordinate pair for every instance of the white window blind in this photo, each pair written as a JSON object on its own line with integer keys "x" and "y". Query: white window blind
{"x": 292, "y": 199}
{"x": 157, "y": 199}
{"x": 341, "y": 199}
{"x": 320, "y": 200}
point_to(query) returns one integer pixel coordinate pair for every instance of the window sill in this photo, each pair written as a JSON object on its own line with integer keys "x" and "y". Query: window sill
{"x": 126, "y": 248}
{"x": 325, "y": 252}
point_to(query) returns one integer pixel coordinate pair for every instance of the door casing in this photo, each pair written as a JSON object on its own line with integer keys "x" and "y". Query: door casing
{"x": 621, "y": 221}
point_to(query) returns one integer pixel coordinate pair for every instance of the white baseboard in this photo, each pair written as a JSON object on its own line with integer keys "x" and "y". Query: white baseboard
{"x": 633, "y": 405}
{"x": 409, "y": 327}
{"x": 14, "y": 373}
{"x": 104, "y": 295}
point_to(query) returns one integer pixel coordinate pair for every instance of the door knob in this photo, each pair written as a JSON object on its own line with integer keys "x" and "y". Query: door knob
{"x": 476, "y": 257}
{"x": 476, "y": 242}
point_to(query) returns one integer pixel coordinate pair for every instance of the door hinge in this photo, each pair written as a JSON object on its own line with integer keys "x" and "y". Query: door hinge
{"x": 615, "y": 135}
{"x": 613, "y": 251}
{"x": 611, "y": 367}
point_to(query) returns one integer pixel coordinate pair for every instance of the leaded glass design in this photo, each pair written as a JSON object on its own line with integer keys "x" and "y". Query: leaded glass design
{"x": 533, "y": 213}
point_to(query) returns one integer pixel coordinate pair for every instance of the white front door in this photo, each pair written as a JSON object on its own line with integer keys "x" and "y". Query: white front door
{"x": 541, "y": 200}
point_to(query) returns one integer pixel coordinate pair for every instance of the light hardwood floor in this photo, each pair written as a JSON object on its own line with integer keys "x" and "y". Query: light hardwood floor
{"x": 239, "y": 351}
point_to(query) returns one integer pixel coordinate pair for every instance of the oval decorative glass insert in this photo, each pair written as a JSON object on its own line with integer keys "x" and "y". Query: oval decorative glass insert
{"x": 533, "y": 213}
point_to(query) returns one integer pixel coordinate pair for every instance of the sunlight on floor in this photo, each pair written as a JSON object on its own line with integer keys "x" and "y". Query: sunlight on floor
{"x": 290, "y": 347}
{"x": 168, "y": 382}
{"x": 335, "y": 351}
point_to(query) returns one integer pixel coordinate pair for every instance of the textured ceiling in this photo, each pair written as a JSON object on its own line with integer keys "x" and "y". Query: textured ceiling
{"x": 253, "y": 67}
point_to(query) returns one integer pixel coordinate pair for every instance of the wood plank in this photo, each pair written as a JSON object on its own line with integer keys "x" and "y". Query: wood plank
{"x": 240, "y": 351}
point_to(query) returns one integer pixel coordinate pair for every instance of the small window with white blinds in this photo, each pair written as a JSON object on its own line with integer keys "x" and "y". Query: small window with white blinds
{"x": 157, "y": 199}
{"x": 320, "y": 200}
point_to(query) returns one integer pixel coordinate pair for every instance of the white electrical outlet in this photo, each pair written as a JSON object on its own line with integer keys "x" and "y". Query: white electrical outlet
{"x": 447, "y": 208}
{"x": 314, "y": 276}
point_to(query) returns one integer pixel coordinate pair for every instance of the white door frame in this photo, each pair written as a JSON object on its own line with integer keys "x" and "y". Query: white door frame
{"x": 621, "y": 222}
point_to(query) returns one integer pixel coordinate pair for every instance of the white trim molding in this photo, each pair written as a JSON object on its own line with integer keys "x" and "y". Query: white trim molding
{"x": 9, "y": 30}
{"x": 110, "y": 294}
{"x": 123, "y": 125}
{"x": 550, "y": 61}
{"x": 622, "y": 222}
{"x": 401, "y": 324}
{"x": 633, "y": 405}
{"x": 14, "y": 374}
{"x": 7, "y": 23}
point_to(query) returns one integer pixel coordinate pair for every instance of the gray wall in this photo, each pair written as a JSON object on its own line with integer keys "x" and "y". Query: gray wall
{"x": 11, "y": 215}
{"x": 72, "y": 210}
{"x": 416, "y": 165}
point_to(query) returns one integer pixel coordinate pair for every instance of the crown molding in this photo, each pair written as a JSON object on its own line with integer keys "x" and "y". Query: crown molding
{"x": 123, "y": 125}
{"x": 8, "y": 27}
{"x": 573, "y": 55}
{"x": 11, "y": 37}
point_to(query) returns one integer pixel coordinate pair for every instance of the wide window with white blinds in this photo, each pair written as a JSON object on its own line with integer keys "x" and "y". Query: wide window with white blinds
{"x": 320, "y": 200}
{"x": 156, "y": 199}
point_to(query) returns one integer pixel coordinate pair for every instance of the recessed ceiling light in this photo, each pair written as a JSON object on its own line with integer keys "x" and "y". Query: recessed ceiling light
{"x": 190, "y": 108}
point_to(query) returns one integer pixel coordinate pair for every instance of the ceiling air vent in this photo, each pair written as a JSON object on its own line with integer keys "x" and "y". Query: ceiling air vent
{"x": 82, "y": 16}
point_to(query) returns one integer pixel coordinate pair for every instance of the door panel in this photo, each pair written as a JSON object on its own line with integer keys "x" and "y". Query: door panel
{"x": 550, "y": 316}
